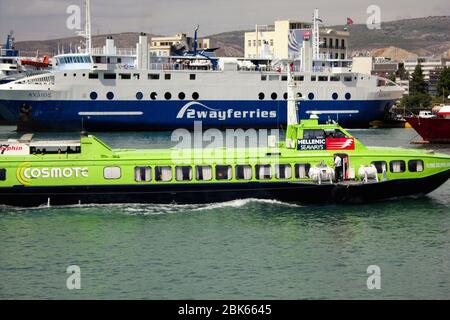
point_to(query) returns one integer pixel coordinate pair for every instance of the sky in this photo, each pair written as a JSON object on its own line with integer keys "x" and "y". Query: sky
{"x": 46, "y": 19}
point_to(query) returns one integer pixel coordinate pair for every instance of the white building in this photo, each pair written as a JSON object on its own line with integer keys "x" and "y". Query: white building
{"x": 162, "y": 46}
{"x": 283, "y": 40}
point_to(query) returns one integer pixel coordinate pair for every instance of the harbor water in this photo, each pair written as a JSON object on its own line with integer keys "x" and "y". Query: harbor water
{"x": 243, "y": 249}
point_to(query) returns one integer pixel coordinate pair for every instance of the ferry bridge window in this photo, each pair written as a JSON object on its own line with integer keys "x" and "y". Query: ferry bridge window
{"x": 93, "y": 95}
{"x": 348, "y": 96}
{"x": 311, "y": 96}
{"x": 313, "y": 134}
{"x": 263, "y": 171}
{"x": 183, "y": 173}
{"x": 2, "y": 174}
{"x": 195, "y": 95}
{"x": 283, "y": 171}
{"x": 334, "y": 96}
{"x": 168, "y": 96}
{"x": 153, "y": 95}
{"x": 203, "y": 173}
{"x": 192, "y": 77}
{"x": 302, "y": 170}
{"x": 167, "y": 76}
{"x": 223, "y": 172}
{"x": 274, "y": 77}
{"x": 380, "y": 165}
{"x": 109, "y": 76}
{"x": 415, "y": 165}
{"x": 397, "y": 166}
{"x": 142, "y": 174}
{"x": 163, "y": 173}
{"x": 125, "y": 76}
{"x": 111, "y": 173}
{"x": 110, "y": 95}
{"x": 285, "y": 96}
{"x": 261, "y": 96}
{"x": 243, "y": 172}
{"x": 274, "y": 96}
{"x": 93, "y": 75}
{"x": 181, "y": 96}
{"x": 153, "y": 76}
{"x": 334, "y": 133}
{"x": 139, "y": 95}
{"x": 335, "y": 78}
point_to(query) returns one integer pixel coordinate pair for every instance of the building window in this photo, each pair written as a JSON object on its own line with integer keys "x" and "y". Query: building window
{"x": 2, "y": 174}
{"x": 271, "y": 42}
{"x": 111, "y": 173}
{"x": 311, "y": 96}
{"x": 283, "y": 171}
{"x": 195, "y": 96}
{"x": 249, "y": 43}
{"x": 348, "y": 96}
{"x": 163, "y": 173}
{"x": 274, "y": 96}
{"x": 153, "y": 95}
{"x": 181, "y": 96}
{"x": 397, "y": 166}
{"x": 183, "y": 173}
{"x": 381, "y": 166}
{"x": 93, "y": 95}
{"x": 334, "y": 96}
{"x": 415, "y": 165}
{"x": 139, "y": 95}
{"x": 243, "y": 172}
{"x": 223, "y": 173}
{"x": 261, "y": 96}
{"x": 142, "y": 174}
{"x": 110, "y": 95}
{"x": 263, "y": 171}
{"x": 203, "y": 173}
{"x": 168, "y": 96}
{"x": 302, "y": 170}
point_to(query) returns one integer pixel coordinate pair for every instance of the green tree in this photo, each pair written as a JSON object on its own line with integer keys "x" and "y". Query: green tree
{"x": 417, "y": 83}
{"x": 392, "y": 77}
{"x": 443, "y": 84}
{"x": 401, "y": 72}
{"x": 418, "y": 94}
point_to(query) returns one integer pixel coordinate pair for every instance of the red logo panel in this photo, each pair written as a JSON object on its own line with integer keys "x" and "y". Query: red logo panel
{"x": 340, "y": 144}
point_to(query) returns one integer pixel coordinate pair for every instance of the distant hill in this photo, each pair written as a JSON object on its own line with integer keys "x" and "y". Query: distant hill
{"x": 397, "y": 39}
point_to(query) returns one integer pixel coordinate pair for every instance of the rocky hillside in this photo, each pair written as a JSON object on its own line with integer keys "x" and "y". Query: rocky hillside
{"x": 396, "y": 39}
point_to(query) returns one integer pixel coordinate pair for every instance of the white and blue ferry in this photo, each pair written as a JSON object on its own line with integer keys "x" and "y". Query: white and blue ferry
{"x": 117, "y": 89}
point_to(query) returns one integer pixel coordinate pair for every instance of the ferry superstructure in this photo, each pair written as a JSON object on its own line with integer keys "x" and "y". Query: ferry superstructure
{"x": 112, "y": 89}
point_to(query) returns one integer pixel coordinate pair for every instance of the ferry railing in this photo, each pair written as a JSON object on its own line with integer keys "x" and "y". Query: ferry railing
{"x": 180, "y": 66}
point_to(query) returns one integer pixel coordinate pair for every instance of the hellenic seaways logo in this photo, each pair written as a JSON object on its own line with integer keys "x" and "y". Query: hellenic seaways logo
{"x": 197, "y": 110}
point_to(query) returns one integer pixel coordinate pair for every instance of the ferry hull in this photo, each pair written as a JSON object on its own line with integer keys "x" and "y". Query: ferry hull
{"x": 50, "y": 115}
{"x": 431, "y": 129}
{"x": 210, "y": 193}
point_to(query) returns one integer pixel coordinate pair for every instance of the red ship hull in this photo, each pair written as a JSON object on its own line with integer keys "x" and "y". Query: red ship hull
{"x": 431, "y": 129}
